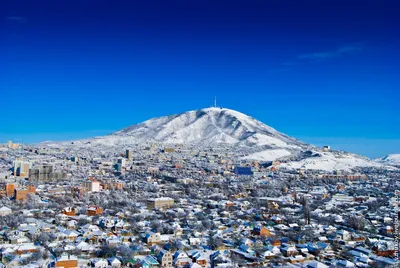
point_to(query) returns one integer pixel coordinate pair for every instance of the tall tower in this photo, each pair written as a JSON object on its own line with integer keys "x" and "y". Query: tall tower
{"x": 128, "y": 154}
{"x": 215, "y": 102}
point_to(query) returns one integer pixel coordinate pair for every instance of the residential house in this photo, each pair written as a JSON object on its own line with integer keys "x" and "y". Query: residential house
{"x": 288, "y": 250}
{"x": 114, "y": 262}
{"x": 343, "y": 235}
{"x": 61, "y": 217}
{"x": 25, "y": 248}
{"x": 94, "y": 211}
{"x": 99, "y": 263}
{"x": 5, "y": 211}
{"x": 194, "y": 241}
{"x": 201, "y": 257}
{"x": 152, "y": 238}
{"x": 148, "y": 261}
{"x": 70, "y": 211}
{"x": 66, "y": 261}
{"x": 181, "y": 259}
{"x": 165, "y": 258}
{"x": 296, "y": 259}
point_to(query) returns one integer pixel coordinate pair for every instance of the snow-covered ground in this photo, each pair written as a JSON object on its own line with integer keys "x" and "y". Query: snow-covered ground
{"x": 393, "y": 159}
{"x": 268, "y": 155}
{"x": 329, "y": 161}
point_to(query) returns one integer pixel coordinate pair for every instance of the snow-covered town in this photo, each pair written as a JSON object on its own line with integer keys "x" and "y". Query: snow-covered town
{"x": 143, "y": 197}
{"x": 199, "y": 134}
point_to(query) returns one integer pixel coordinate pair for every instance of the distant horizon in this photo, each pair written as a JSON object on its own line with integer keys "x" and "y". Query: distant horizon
{"x": 323, "y": 73}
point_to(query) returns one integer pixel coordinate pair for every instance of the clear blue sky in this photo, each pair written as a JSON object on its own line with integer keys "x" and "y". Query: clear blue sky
{"x": 326, "y": 72}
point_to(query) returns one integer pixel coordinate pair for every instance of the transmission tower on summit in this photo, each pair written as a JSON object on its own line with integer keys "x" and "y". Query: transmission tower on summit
{"x": 215, "y": 102}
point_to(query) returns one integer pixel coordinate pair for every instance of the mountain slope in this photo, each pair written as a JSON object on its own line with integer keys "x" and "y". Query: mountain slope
{"x": 208, "y": 127}
{"x": 329, "y": 161}
{"x": 393, "y": 159}
{"x": 236, "y": 132}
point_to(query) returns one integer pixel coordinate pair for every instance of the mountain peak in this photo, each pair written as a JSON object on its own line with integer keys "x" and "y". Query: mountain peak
{"x": 224, "y": 110}
{"x": 217, "y": 109}
{"x": 208, "y": 126}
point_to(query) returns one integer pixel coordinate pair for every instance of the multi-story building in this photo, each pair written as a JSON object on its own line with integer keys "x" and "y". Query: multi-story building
{"x": 121, "y": 161}
{"x": 165, "y": 258}
{"x": 45, "y": 173}
{"x": 75, "y": 159}
{"x": 129, "y": 154}
{"x": 163, "y": 202}
{"x": 21, "y": 168}
{"x": 10, "y": 189}
{"x": 22, "y": 194}
{"x": 78, "y": 191}
{"x": 112, "y": 185}
{"x": 92, "y": 185}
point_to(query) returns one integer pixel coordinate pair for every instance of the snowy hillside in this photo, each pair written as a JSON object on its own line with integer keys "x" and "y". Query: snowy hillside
{"x": 393, "y": 159}
{"x": 268, "y": 155}
{"x": 329, "y": 161}
{"x": 208, "y": 126}
{"x": 242, "y": 135}
{"x": 201, "y": 128}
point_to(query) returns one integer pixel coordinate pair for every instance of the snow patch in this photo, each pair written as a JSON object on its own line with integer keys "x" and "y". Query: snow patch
{"x": 268, "y": 155}
{"x": 328, "y": 161}
{"x": 390, "y": 159}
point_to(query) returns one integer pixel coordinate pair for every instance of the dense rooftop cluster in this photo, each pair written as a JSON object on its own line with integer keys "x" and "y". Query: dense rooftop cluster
{"x": 175, "y": 206}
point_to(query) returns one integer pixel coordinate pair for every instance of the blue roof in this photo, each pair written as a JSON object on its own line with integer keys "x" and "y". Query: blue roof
{"x": 284, "y": 240}
{"x": 244, "y": 170}
{"x": 151, "y": 260}
{"x": 355, "y": 253}
{"x": 363, "y": 250}
{"x": 243, "y": 248}
{"x": 322, "y": 245}
{"x": 386, "y": 260}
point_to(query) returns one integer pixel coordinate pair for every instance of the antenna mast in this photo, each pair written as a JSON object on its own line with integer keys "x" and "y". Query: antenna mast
{"x": 215, "y": 102}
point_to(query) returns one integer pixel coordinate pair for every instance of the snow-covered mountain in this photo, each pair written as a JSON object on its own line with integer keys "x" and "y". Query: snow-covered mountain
{"x": 208, "y": 127}
{"x": 241, "y": 134}
{"x": 200, "y": 128}
{"x": 393, "y": 159}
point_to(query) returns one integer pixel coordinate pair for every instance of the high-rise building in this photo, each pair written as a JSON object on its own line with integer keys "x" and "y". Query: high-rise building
{"x": 121, "y": 161}
{"x": 118, "y": 167}
{"x": 21, "y": 168}
{"x": 75, "y": 159}
{"x": 45, "y": 173}
{"x": 128, "y": 154}
{"x": 10, "y": 189}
